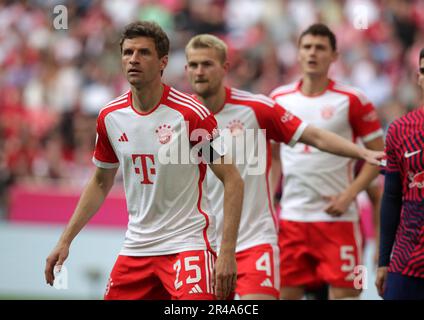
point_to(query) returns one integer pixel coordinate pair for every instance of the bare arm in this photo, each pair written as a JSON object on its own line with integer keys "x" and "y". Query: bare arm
{"x": 375, "y": 194}
{"x": 332, "y": 143}
{"x": 275, "y": 169}
{"x": 226, "y": 266}
{"x": 338, "y": 204}
{"x": 369, "y": 172}
{"x": 90, "y": 201}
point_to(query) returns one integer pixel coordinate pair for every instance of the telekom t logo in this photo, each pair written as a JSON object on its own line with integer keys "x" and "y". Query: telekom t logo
{"x": 145, "y": 166}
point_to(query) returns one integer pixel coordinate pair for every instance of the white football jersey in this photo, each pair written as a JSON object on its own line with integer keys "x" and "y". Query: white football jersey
{"x": 247, "y": 122}
{"x": 310, "y": 174}
{"x": 168, "y": 209}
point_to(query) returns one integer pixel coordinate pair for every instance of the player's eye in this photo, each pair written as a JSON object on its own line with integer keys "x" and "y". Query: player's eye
{"x": 145, "y": 52}
{"x": 422, "y": 71}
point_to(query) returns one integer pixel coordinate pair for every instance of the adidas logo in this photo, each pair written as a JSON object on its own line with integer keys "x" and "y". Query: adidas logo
{"x": 195, "y": 289}
{"x": 123, "y": 138}
{"x": 266, "y": 283}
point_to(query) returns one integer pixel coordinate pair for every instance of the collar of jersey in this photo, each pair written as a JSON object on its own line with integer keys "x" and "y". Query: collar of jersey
{"x": 161, "y": 101}
{"x": 329, "y": 87}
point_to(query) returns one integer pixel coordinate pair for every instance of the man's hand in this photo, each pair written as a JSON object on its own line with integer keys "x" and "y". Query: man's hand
{"x": 380, "y": 281}
{"x": 338, "y": 204}
{"x": 372, "y": 157}
{"x": 225, "y": 275}
{"x": 56, "y": 258}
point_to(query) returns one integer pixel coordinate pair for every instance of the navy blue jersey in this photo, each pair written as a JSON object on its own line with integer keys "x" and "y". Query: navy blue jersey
{"x": 405, "y": 155}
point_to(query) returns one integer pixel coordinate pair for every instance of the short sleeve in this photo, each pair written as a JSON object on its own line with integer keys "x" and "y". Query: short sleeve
{"x": 202, "y": 130}
{"x": 204, "y": 136}
{"x": 364, "y": 120}
{"x": 104, "y": 155}
{"x": 280, "y": 124}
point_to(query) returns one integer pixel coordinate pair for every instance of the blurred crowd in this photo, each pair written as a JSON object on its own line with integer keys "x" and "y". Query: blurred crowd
{"x": 53, "y": 81}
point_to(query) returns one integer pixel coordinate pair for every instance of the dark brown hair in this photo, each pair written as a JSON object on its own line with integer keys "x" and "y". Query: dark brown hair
{"x": 147, "y": 29}
{"x": 320, "y": 29}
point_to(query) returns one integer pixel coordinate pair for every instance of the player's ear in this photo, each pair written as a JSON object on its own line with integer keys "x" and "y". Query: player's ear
{"x": 226, "y": 66}
{"x": 335, "y": 56}
{"x": 163, "y": 62}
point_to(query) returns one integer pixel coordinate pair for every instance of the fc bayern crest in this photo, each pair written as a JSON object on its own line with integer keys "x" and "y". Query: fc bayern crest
{"x": 164, "y": 133}
{"x": 236, "y": 127}
{"x": 327, "y": 112}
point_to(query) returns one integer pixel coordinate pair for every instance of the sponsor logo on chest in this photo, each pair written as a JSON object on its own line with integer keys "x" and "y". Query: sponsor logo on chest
{"x": 416, "y": 180}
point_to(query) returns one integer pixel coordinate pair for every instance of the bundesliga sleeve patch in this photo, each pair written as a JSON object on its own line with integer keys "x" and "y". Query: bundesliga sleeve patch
{"x": 210, "y": 146}
{"x": 213, "y": 149}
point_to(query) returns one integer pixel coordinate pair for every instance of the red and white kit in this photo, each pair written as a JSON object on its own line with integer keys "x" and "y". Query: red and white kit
{"x": 314, "y": 245}
{"x": 257, "y": 250}
{"x": 168, "y": 209}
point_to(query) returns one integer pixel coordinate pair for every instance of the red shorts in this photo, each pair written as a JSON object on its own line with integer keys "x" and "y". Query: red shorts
{"x": 257, "y": 271}
{"x": 319, "y": 252}
{"x": 185, "y": 275}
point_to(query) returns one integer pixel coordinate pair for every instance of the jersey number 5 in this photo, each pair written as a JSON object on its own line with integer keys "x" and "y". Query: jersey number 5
{"x": 347, "y": 254}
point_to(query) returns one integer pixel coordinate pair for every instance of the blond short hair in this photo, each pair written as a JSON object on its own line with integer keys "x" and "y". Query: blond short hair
{"x": 208, "y": 41}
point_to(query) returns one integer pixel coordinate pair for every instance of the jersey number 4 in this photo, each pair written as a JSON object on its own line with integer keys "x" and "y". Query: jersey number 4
{"x": 264, "y": 264}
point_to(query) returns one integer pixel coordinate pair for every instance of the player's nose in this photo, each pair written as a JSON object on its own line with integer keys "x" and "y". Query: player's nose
{"x": 312, "y": 51}
{"x": 133, "y": 59}
{"x": 199, "y": 70}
